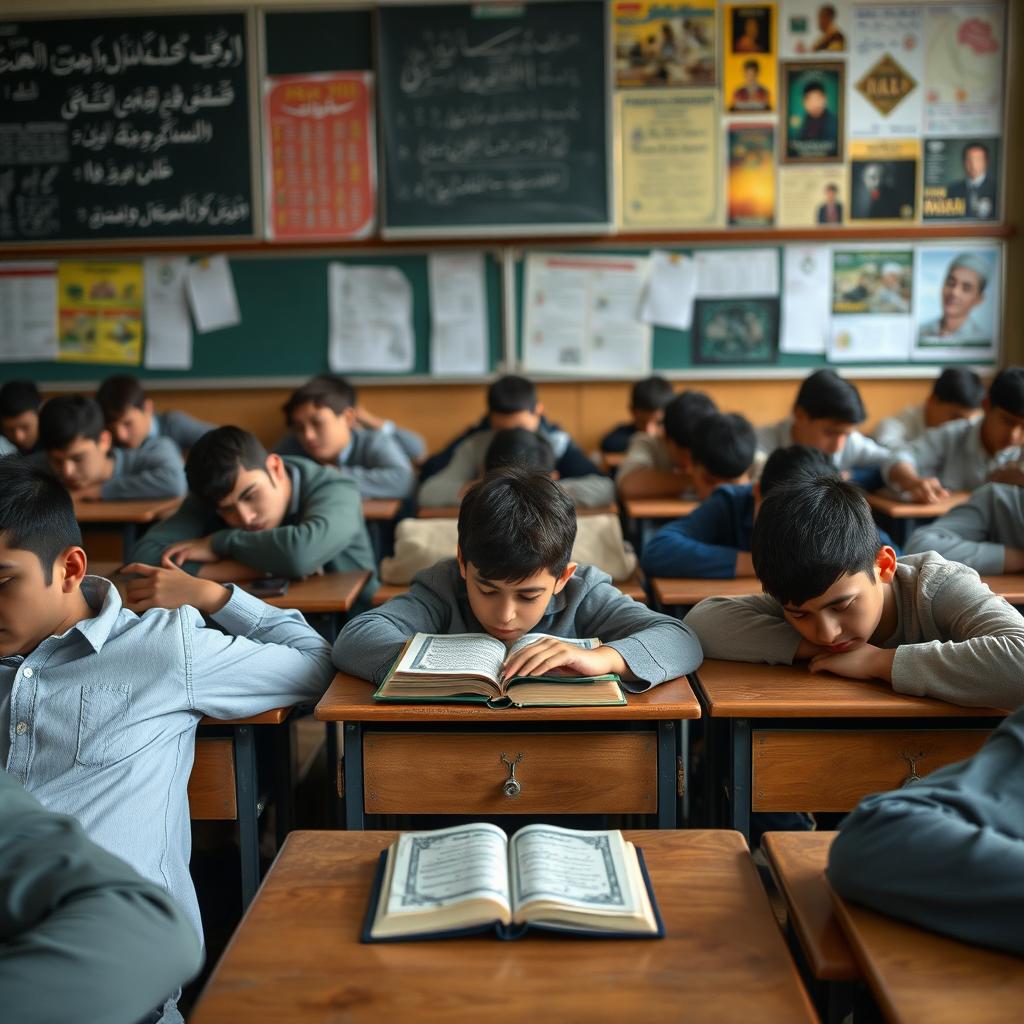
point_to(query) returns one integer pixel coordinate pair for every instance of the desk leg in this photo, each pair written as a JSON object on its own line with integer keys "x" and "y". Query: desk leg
{"x": 354, "y": 818}
{"x": 284, "y": 791}
{"x": 668, "y": 747}
{"x": 247, "y": 794}
{"x": 683, "y": 772}
{"x": 739, "y": 778}
{"x": 331, "y": 756}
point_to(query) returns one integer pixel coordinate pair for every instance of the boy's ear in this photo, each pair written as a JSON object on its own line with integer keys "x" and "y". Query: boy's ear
{"x": 564, "y": 577}
{"x": 147, "y": 406}
{"x": 539, "y": 409}
{"x": 885, "y": 562}
{"x": 105, "y": 440}
{"x": 350, "y": 416}
{"x": 69, "y": 569}
{"x": 274, "y": 467}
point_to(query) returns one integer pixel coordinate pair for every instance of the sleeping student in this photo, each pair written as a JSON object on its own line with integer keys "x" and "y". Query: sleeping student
{"x": 646, "y": 405}
{"x": 19, "y": 415}
{"x": 512, "y": 575}
{"x": 837, "y": 597}
{"x": 956, "y": 395}
{"x": 722, "y": 451}
{"x": 132, "y": 421}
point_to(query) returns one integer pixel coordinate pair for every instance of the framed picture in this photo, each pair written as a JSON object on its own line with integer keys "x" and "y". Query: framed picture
{"x": 812, "y": 109}
{"x": 735, "y": 331}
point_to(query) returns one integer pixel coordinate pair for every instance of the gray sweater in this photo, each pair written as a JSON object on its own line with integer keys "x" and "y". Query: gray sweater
{"x": 182, "y": 429}
{"x": 154, "y": 470}
{"x": 655, "y": 647}
{"x": 946, "y": 853}
{"x": 955, "y": 639}
{"x": 859, "y": 452}
{"x": 979, "y": 532}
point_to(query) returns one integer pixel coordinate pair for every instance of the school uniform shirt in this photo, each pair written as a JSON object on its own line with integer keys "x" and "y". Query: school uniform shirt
{"x": 78, "y": 927}
{"x": 182, "y": 429}
{"x": 655, "y": 647}
{"x": 647, "y": 451}
{"x": 617, "y": 439}
{"x": 154, "y": 470}
{"x": 906, "y": 426}
{"x": 954, "y": 453}
{"x": 373, "y": 459}
{"x": 408, "y": 440}
{"x": 955, "y": 639}
{"x": 323, "y": 528}
{"x": 6, "y": 448}
{"x": 947, "y": 851}
{"x": 979, "y": 532}
{"x": 577, "y": 475}
{"x": 859, "y": 452}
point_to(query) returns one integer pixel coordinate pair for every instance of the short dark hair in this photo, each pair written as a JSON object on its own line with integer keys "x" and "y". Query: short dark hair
{"x": 792, "y": 463}
{"x": 334, "y": 393}
{"x": 66, "y": 417}
{"x": 17, "y": 397}
{"x": 1007, "y": 390}
{"x": 975, "y": 144}
{"x": 36, "y": 513}
{"x": 814, "y": 86}
{"x": 519, "y": 447}
{"x": 516, "y": 522}
{"x": 512, "y": 394}
{"x": 120, "y": 393}
{"x": 683, "y": 413}
{"x": 215, "y": 460}
{"x": 809, "y": 533}
{"x": 724, "y": 444}
{"x": 651, "y": 394}
{"x": 824, "y": 395}
{"x": 959, "y": 386}
{"x": 832, "y": 187}
{"x": 751, "y": 64}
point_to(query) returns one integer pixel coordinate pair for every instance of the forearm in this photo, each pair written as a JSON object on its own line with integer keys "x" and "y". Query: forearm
{"x": 664, "y": 650}
{"x": 983, "y": 556}
{"x": 984, "y": 671}
{"x": 901, "y": 475}
{"x": 743, "y": 629}
{"x": 382, "y": 481}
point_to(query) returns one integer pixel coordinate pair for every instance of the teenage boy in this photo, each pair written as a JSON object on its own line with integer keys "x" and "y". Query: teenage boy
{"x": 947, "y": 851}
{"x": 512, "y": 575}
{"x": 19, "y": 414}
{"x": 100, "y": 704}
{"x": 79, "y": 450}
{"x": 660, "y": 466}
{"x": 956, "y": 395}
{"x": 833, "y": 595}
{"x": 722, "y": 451}
{"x": 512, "y": 402}
{"x": 646, "y": 405}
{"x": 964, "y": 454}
{"x": 132, "y": 421}
{"x": 323, "y": 420}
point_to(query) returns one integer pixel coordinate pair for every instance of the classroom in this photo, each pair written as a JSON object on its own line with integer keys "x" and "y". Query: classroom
{"x": 474, "y": 470}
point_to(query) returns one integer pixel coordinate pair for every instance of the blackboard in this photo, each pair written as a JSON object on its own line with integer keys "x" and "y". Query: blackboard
{"x": 125, "y": 128}
{"x": 494, "y": 117}
{"x": 303, "y": 42}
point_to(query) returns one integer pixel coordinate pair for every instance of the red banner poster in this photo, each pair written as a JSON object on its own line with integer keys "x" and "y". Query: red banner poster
{"x": 320, "y": 174}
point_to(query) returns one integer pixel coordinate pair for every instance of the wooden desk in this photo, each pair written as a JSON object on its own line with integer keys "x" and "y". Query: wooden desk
{"x": 381, "y": 509}
{"x": 685, "y": 593}
{"x": 1010, "y": 586}
{"x": 446, "y": 758}
{"x": 127, "y": 516}
{"x": 782, "y": 739}
{"x": 658, "y": 508}
{"x": 296, "y": 956}
{"x": 612, "y": 460}
{"x": 902, "y": 515}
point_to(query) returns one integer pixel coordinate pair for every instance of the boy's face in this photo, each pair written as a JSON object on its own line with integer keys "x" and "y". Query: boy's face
{"x": 704, "y": 482}
{"x": 30, "y": 609}
{"x": 647, "y": 421}
{"x": 814, "y": 103}
{"x": 526, "y": 418}
{"x": 937, "y": 412}
{"x": 827, "y": 435}
{"x": 511, "y": 610}
{"x": 21, "y": 430}
{"x": 322, "y": 432}
{"x": 1000, "y": 429}
{"x": 132, "y": 427}
{"x": 259, "y": 500}
{"x": 83, "y": 463}
{"x": 962, "y": 291}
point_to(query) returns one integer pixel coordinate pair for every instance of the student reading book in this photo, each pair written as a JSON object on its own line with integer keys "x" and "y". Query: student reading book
{"x": 470, "y": 878}
{"x": 468, "y": 667}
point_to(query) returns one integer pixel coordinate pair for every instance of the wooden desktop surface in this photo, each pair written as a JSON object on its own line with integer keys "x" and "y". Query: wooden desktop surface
{"x": 1010, "y": 586}
{"x": 296, "y": 956}
{"x": 273, "y": 717}
{"x": 148, "y": 510}
{"x": 658, "y": 508}
{"x": 381, "y": 509}
{"x": 893, "y": 506}
{"x": 690, "y": 591}
{"x": 735, "y": 689}
{"x": 349, "y": 699}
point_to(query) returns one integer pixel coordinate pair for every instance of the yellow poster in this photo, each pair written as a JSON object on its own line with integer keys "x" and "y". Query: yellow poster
{"x": 668, "y": 169}
{"x": 812, "y": 197}
{"x": 100, "y": 313}
{"x": 883, "y": 181}
{"x": 749, "y": 73}
{"x": 664, "y": 42}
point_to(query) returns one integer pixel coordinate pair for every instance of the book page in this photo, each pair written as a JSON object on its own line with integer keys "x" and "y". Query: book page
{"x": 446, "y": 866}
{"x": 454, "y": 655}
{"x": 532, "y": 638}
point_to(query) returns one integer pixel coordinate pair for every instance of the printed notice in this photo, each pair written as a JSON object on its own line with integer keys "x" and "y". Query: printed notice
{"x": 458, "y": 314}
{"x": 168, "y": 327}
{"x": 370, "y": 319}
{"x": 28, "y": 311}
{"x": 211, "y": 294}
{"x": 100, "y": 313}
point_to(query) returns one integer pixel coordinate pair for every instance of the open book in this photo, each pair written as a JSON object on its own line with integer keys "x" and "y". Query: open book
{"x": 470, "y": 878}
{"x": 466, "y": 667}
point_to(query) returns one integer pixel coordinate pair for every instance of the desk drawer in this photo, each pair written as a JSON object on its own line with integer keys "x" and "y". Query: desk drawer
{"x": 462, "y": 773}
{"x": 830, "y": 770}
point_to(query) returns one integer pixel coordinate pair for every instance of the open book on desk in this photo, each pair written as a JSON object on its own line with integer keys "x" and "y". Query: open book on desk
{"x": 470, "y": 878}
{"x": 466, "y": 668}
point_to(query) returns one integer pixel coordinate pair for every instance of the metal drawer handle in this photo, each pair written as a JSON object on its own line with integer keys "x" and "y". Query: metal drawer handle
{"x": 511, "y": 787}
{"x": 911, "y": 760}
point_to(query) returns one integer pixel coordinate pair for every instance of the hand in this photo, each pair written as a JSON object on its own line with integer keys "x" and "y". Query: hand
{"x": 171, "y": 588}
{"x": 365, "y": 418}
{"x": 927, "y": 491}
{"x": 542, "y": 657}
{"x": 198, "y": 550}
{"x": 1008, "y": 475}
{"x": 863, "y": 662}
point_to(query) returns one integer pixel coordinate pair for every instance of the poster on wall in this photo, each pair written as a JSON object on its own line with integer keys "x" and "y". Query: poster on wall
{"x": 961, "y": 179}
{"x": 812, "y": 111}
{"x": 731, "y": 331}
{"x": 99, "y": 313}
{"x": 749, "y": 58}
{"x": 319, "y": 156}
{"x": 811, "y": 196}
{"x": 664, "y": 43}
{"x": 883, "y": 181}
{"x": 811, "y": 29}
{"x": 751, "y": 178}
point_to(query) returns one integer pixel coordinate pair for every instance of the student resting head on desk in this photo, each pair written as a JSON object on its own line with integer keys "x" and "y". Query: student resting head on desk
{"x": 19, "y": 414}
{"x": 249, "y": 514}
{"x": 722, "y": 451}
{"x": 956, "y": 395}
{"x": 512, "y": 575}
{"x": 834, "y": 595}
{"x": 102, "y": 703}
{"x": 77, "y": 447}
{"x": 646, "y": 408}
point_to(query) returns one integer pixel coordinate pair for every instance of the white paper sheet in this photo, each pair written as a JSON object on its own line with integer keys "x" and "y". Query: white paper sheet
{"x": 671, "y": 289}
{"x": 870, "y": 339}
{"x": 728, "y": 273}
{"x": 458, "y": 314}
{"x": 168, "y": 336}
{"x": 370, "y": 319}
{"x": 211, "y": 294}
{"x": 806, "y": 298}
{"x": 28, "y": 311}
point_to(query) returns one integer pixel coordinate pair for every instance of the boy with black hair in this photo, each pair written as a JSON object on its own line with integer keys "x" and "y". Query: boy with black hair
{"x": 513, "y": 576}
{"x": 249, "y": 514}
{"x": 956, "y": 395}
{"x": 512, "y": 402}
{"x": 964, "y": 454}
{"x": 77, "y": 448}
{"x": 722, "y": 451}
{"x": 19, "y": 414}
{"x": 520, "y": 447}
{"x": 646, "y": 405}
{"x": 100, "y": 704}
{"x": 323, "y": 418}
{"x": 132, "y": 421}
{"x": 660, "y": 466}
{"x": 834, "y": 595}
